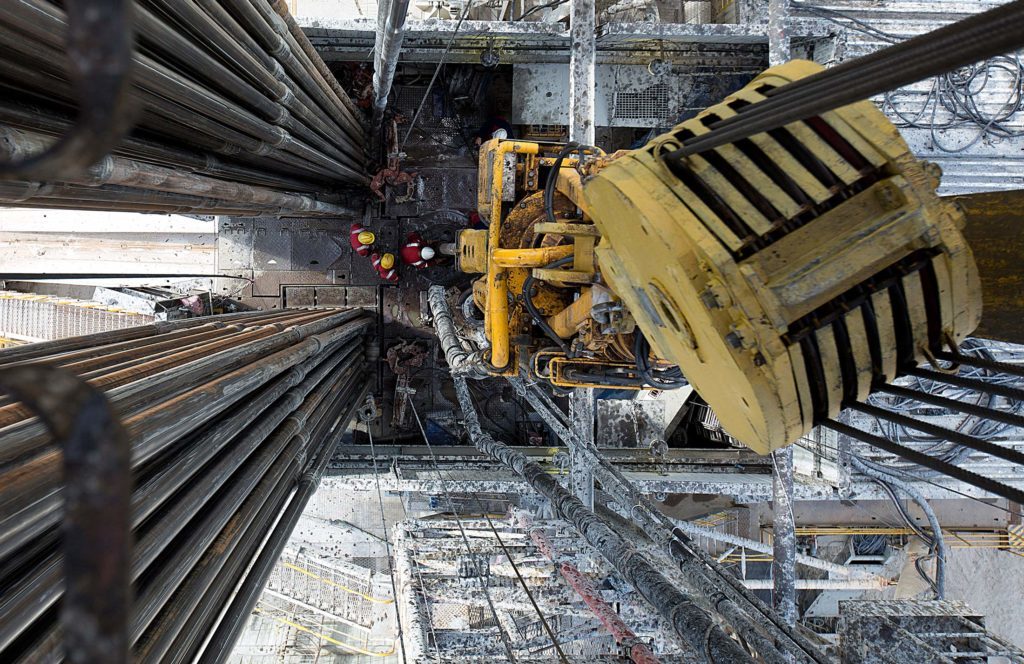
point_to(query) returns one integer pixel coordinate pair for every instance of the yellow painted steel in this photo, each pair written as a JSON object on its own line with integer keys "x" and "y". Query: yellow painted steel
{"x": 567, "y": 321}
{"x": 490, "y": 193}
{"x": 529, "y": 257}
{"x": 327, "y": 639}
{"x": 471, "y": 251}
{"x": 730, "y": 262}
{"x": 558, "y": 366}
{"x": 569, "y": 182}
{"x": 765, "y": 269}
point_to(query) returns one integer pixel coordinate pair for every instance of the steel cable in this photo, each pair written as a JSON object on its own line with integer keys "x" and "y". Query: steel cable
{"x": 986, "y": 35}
{"x": 387, "y": 543}
{"x": 501, "y": 543}
{"x": 465, "y": 540}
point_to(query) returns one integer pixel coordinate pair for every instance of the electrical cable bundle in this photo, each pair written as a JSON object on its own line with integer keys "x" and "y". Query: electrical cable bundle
{"x": 953, "y": 100}
{"x": 977, "y": 427}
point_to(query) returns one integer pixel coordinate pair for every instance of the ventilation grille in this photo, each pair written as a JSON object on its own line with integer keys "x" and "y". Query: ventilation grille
{"x": 650, "y": 104}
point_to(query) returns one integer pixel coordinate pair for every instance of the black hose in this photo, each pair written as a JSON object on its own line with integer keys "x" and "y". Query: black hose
{"x": 542, "y": 322}
{"x": 670, "y": 379}
{"x": 549, "y": 185}
{"x": 585, "y": 376}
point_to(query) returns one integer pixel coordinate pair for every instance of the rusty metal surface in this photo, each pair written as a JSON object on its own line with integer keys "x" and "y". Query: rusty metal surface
{"x": 591, "y": 596}
{"x": 448, "y": 187}
{"x": 97, "y": 489}
{"x": 993, "y": 232}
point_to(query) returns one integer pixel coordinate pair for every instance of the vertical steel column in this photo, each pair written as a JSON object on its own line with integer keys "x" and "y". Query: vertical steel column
{"x": 778, "y": 32}
{"x": 784, "y": 528}
{"x": 784, "y": 536}
{"x": 415, "y": 623}
{"x": 581, "y": 470}
{"x": 387, "y": 46}
{"x": 582, "y": 60}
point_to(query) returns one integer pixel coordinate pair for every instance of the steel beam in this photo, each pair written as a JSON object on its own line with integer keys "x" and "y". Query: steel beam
{"x": 581, "y": 469}
{"x": 778, "y": 32}
{"x": 784, "y": 536}
{"x": 700, "y": 532}
{"x": 582, "y": 76}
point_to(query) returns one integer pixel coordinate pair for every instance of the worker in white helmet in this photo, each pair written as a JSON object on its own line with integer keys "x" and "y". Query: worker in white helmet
{"x": 417, "y": 253}
{"x": 495, "y": 126}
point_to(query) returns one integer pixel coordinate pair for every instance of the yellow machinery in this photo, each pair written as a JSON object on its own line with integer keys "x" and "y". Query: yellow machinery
{"x": 784, "y": 275}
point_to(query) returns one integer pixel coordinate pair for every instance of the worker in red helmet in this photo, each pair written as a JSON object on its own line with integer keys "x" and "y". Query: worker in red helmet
{"x": 385, "y": 266}
{"x": 362, "y": 239}
{"x": 416, "y": 252}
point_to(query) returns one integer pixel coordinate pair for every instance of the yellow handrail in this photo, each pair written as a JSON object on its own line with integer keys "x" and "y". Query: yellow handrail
{"x": 328, "y": 639}
{"x": 303, "y": 570}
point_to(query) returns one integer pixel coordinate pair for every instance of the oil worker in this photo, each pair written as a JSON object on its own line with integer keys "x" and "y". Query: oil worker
{"x": 417, "y": 253}
{"x": 385, "y": 266}
{"x": 494, "y": 127}
{"x": 362, "y": 239}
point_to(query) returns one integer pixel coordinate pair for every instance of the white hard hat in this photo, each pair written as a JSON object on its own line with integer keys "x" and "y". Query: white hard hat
{"x": 499, "y": 133}
{"x": 426, "y": 253}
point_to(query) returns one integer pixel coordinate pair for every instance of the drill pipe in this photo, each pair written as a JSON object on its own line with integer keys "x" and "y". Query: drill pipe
{"x": 40, "y": 589}
{"x": 297, "y": 326}
{"x": 147, "y": 182}
{"x": 219, "y": 484}
{"x": 248, "y": 486}
{"x": 37, "y": 30}
{"x": 204, "y": 620}
{"x": 52, "y": 122}
{"x": 275, "y": 37}
{"x": 210, "y": 77}
{"x": 161, "y": 409}
{"x": 57, "y": 346}
{"x": 391, "y": 16}
{"x": 251, "y": 60}
{"x": 245, "y": 594}
{"x": 686, "y": 619}
{"x": 718, "y": 590}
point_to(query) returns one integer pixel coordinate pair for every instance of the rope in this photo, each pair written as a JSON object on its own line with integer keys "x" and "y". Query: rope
{"x": 465, "y": 540}
{"x": 387, "y": 544}
{"x": 437, "y": 70}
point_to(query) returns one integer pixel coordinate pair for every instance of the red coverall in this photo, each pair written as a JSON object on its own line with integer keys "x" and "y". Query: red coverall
{"x": 386, "y": 275}
{"x": 353, "y": 236}
{"x": 411, "y": 252}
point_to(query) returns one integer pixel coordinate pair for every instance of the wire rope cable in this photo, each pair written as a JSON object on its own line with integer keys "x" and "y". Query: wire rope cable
{"x": 465, "y": 540}
{"x": 953, "y": 99}
{"x": 387, "y": 543}
{"x": 437, "y": 70}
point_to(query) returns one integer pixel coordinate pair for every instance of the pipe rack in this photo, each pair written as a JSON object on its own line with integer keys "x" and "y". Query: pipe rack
{"x": 231, "y": 421}
{"x": 233, "y": 115}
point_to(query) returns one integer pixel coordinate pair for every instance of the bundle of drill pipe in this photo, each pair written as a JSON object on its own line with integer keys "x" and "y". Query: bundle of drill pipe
{"x": 231, "y": 420}
{"x": 234, "y": 113}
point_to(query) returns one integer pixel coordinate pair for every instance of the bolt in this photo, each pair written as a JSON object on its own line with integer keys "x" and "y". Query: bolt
{"x": 707, "y": 296}
{"x": 890, "y": 197}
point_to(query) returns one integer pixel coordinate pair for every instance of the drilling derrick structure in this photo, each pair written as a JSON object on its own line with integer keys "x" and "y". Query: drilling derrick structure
{"x": 465, "y": 331}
